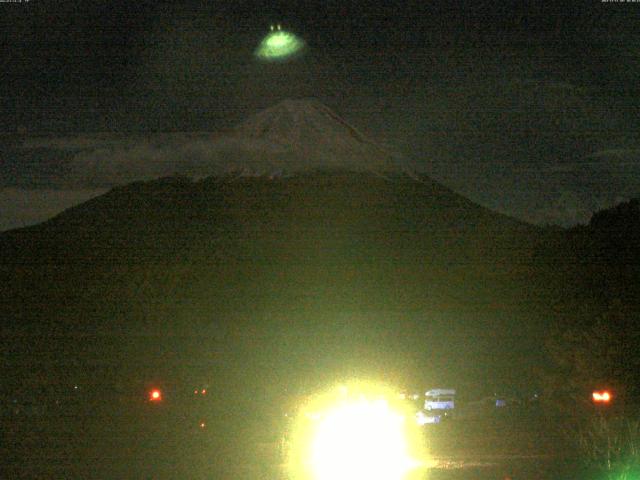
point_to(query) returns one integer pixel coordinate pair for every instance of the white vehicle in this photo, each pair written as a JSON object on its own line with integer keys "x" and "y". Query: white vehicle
{"x": 440, "y": 399}
{"x": 424, "y": 419}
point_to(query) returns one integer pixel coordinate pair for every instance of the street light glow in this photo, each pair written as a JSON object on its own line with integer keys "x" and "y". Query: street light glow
{"x": 355, "y": 433}
{"x": 601, "y": 396}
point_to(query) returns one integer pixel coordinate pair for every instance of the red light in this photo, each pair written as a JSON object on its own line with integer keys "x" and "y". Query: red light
{"x": 204, "y": 391}
{"x": 601, "y": 397}
{"x": 195, "y": 392}
{"x": 155, "y": 395}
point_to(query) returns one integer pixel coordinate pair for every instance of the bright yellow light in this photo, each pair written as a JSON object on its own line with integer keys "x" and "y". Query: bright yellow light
{"x": 355, "y": 432}
{"x": 360, "y": 439}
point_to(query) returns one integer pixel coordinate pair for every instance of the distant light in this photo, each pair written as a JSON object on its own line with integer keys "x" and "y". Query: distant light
{"x": 195, "y": 392}
{"x": 203, "y": 425}
{"x": 155, "y": 395}
{"x": 279, "y": 45}
{"x": 603, "y": 396}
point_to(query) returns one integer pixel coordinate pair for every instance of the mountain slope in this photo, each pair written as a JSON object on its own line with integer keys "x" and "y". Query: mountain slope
{"x": 291, "y": 137}
{"x": 393, "y": 206}
{"x": 312, "y": 251}
{"x": 339, "y": 270}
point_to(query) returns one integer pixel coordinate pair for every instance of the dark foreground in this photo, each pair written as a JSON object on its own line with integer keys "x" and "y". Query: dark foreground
{"x": 153, "y": 445}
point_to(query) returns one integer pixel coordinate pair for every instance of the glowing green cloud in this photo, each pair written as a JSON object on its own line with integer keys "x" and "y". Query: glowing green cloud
{"x": 279, "y": 45}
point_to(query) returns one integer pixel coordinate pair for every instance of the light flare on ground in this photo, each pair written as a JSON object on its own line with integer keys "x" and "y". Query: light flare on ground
{"x": 356, "y": 431}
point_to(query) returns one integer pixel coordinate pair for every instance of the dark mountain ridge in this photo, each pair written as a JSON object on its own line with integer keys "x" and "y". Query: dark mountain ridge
{"x": 317, "y": 272}
{"x": 273, "y": 257}
{"x": 177, "y": 205}
{"x": 597, "y": 263}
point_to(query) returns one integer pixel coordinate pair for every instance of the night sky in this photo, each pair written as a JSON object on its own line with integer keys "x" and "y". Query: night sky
{"x": 531, "y": 110}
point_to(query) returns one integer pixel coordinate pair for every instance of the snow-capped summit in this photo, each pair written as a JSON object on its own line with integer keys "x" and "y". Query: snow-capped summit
{"x": 304, "y": 134}
{"x": 291, "y": 137}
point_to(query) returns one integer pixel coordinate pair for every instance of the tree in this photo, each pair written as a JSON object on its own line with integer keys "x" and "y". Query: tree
{"x": 590, "y": 351}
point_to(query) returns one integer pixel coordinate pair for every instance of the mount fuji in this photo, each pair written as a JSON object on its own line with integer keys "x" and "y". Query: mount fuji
{"x": 290, "y": 137}
{"x": 43, "y": 175}
{"x": 310, "y": 136}
{"x": 304, "y": 249}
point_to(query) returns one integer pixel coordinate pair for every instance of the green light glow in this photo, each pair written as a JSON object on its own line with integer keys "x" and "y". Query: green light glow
{"x": 279, "y": 45}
